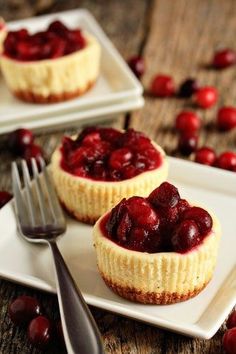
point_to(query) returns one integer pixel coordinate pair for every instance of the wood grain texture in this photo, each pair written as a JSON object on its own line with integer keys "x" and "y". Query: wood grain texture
{"x": 176, "y": 37}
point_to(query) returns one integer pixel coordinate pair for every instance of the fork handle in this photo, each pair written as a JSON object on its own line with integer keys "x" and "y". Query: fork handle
{"x": 79, "y": 327}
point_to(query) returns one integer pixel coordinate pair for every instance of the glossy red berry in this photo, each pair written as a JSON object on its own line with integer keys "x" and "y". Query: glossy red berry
{"x": 19, "y": 140}
{"x": 229, "y": 341}
{"x": 39, "y": 331}
{"x": 137, "y": 65}
{"x": 224, "y": 58}
{"x": 4, "y": 198}
{"x": 206, "y": 156}
{"x": 188, "y": 88}
{"x": 201, "y": 217}
{"x": 23, "y": 309}
{"x": 226, "y": 118}
{"x": 162, "y": 86}
{"x": 187, "y": 143}
{"x": 142, "y": 213}
{"x": 166, "y": 195}
{"x": 119, "y": 158}
{"x": 187, "y": 121}
{"x": 227, "y": 160}
{"x": 231, "y": 321}
{"x": 186, "y": 236}
{"x": 206, "y": 97}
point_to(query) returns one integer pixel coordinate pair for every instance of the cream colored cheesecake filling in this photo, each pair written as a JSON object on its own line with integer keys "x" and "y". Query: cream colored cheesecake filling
{"x": 160, "y": 278}
{"x": 69, "y": 73}
{"x": 88, "y": 199}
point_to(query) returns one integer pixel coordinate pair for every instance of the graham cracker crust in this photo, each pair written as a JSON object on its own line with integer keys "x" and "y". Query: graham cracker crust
{"x": 163, "y": 298}
{"x": 31, "y": 97}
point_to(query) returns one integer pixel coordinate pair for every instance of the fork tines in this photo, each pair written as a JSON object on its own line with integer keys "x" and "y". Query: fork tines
{"x": 35, "y": 198}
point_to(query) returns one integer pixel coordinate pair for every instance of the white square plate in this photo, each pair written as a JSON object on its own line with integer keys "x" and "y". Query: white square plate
{"x": 116, "y": 82}
{"x": 198, "y": 317}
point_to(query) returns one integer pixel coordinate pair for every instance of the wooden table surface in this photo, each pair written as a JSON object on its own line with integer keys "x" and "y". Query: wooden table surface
{"x": 175, "y": 37}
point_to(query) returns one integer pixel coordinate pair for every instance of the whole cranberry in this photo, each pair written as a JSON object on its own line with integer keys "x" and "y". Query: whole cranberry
{"x": 32, "y": 151}
{"x": 188, "y": 88}
{"x": 166, "y": 195}
{"x": 227, "y": 161}
{"x": 231, "y": 321}
{"x": 187, "y": 143}
{"x": 137, "y": 65}
{"x": 115, "y": 217}
{"x": 40, "y": 331}
{"x": 4, "y": 198}
{"x": 206, "y": 156}
{"x": 224, "y": 58}
{"x": 119, "y": 158}
{"x": 142, "y": 213}
{"x": 226, "y": 118}
{"x": 19, "y": 140}
{"x": 182, "y": 206}
{"x": 206, "y": 97}
{"x": 123, "y": 227}
{"x": 201, "y": 217}
{"x": 186, "y": 236}
{"x": 229, "y": 341}
{"x": 23, "y": 309}
{"x": 187, "y": 121}
{"x": 162, "y": 86}
{"x": 137, "y": 238}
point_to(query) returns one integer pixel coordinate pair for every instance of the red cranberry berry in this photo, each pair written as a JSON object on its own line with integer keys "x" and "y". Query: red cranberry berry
{"x": 188, "y": 88}
{"x": 206, "y": 97}
{"x": 123, "y": 228}
{"x": 115, "y": 217}
{"x": 119, "y": 158}
{"x": 142, "y": 213}
{"x": 182, "y": 206}
{"x": 39, "y": 331}
{"x": 187, "y": 143}
{"x": 229, "y": 341}
{"x": 201, "y": 217}
{"x": 224, "y": 58}
{"x": 166, "y": 195}
{"x": 187, "y": 121}
{"x": 23, "y": 309}
{"x": 226, "y": 118}
{"x": 19, "y": 139}
{"x": 137, "y": 238}
{"x": 231, "y": 321}
{"x": 186, "y": 236}
{"x": 227, "y": 161}
{"x": 137, "y": 65}
{"x": 4, "y": 198}
{"x": 162, "y": 86}
{"x": 206, "y": 156}
{"x": 32, "y": 151}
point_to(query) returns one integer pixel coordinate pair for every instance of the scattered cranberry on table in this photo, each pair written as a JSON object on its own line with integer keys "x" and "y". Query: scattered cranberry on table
{"x": 137, "y": 65}
{"x": 227, "y": 161}
{"x": 162, "y": 86}
{"x": 188, "y": 88}
{"x": 231, "y": 321}
{"x": 23, "y": 309}
{"x": 40, "y": 331}
{"x": 206, "y": 97}
{"x": 206, "y": 156}
{"x": 187, "y": 121}
{"x": 4, "y": 198}
{"x": 229, "y": 341}
{"x": 19, "y": 139}
{"x": 226, "y": 118}
{"x": 224, "y": 58}
{"x": 187, "y": 143}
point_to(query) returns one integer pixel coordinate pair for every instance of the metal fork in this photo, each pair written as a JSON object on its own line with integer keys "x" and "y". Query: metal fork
{"x": 40, "y": 219}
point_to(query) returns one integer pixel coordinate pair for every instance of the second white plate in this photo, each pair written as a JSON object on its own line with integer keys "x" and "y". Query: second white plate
{"x": 199, "y": 317}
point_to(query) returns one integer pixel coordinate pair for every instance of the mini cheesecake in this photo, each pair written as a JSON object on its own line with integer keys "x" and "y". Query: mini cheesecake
{"x": 51, "y": 66}
{"x": 94, "y": 171}
{"x": 157, "y": 250}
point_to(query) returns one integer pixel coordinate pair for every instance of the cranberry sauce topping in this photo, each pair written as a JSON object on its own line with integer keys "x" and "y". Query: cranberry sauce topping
{"x": 55, "y": 42}
{"x": 107, "y": 154}
{"x": 163, "y": 222}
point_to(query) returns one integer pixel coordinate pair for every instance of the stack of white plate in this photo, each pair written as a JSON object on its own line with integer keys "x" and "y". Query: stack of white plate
{"x": 117, "y": 89}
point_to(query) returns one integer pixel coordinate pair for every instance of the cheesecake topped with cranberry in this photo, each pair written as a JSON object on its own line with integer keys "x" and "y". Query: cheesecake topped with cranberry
{"x": 51, "y": 65}
{"x": 160, "y": 249}
{"x": 95, "y": 170}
